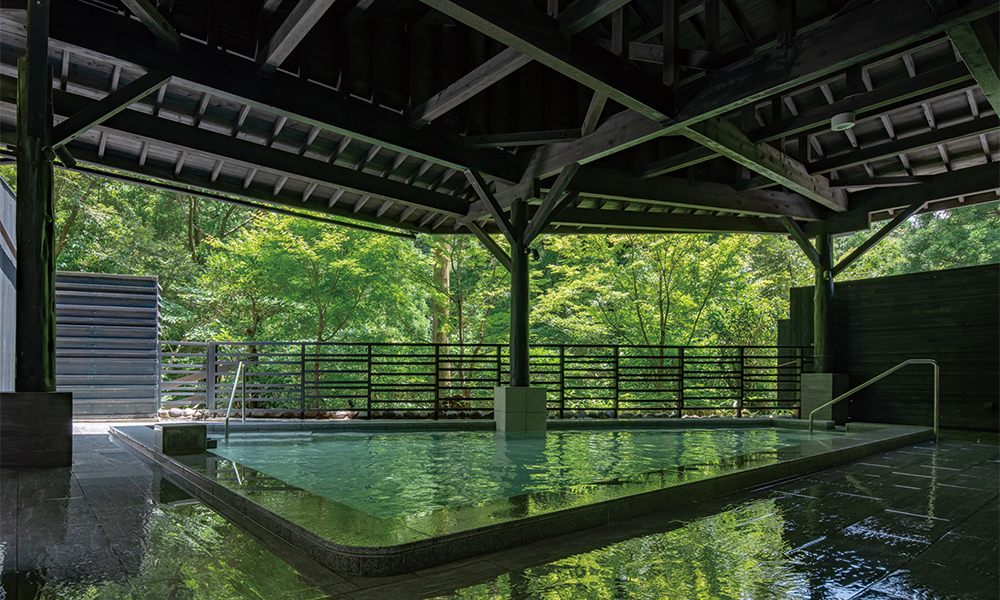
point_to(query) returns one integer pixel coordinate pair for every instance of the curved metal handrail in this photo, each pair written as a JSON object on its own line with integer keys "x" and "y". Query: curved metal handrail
{"x": 911, "y": 361}
{"x": 232, "y": 395}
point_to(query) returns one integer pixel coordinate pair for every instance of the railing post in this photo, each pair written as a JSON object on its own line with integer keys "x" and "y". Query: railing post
{"x": 680, "y": 382}
{"x": 739, "y": 399}
{"x": 210, "y": 376}
{"x": 369, "y": 385}
{"x": 302, "y": 379}
{"x": 614, "y": 377}
{"x": 499, "y": 366}
{"x": 159, "y": 376}
{"x": 437, "y": 381}
{"x": 562, "y": 381}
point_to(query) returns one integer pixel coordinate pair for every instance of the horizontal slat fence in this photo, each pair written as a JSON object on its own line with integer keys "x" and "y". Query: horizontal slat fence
{"x": 438, "y": 379}
{"x": 106, "y": 343}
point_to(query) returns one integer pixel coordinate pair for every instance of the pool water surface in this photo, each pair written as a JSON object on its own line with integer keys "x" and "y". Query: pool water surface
{"x": 403, "y": 473}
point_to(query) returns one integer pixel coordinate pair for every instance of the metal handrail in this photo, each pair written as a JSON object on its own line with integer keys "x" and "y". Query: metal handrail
{"x": 232, "y": 394}
{"x": 911, "y": 361}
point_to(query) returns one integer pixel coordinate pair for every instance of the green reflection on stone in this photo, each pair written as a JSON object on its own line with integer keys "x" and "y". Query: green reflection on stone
{"x": 185, "y": 553}
{"x": 738, "y": 553}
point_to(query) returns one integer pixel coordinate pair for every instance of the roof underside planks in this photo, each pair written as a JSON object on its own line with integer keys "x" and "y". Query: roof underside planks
{"x": 713, "y": 119}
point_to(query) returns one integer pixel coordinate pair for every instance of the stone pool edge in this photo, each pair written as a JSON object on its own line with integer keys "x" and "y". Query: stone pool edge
{"x": 422, "y": 554}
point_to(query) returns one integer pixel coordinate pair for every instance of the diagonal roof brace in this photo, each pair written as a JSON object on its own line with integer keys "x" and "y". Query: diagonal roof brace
{"x": 728, "y": 140}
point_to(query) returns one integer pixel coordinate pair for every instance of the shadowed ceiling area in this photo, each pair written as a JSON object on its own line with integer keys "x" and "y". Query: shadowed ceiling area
{"x": 604, "y": 115}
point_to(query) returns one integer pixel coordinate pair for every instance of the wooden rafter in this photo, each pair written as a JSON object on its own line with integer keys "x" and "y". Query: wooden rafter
{"x": 153, "y": 20}
{"x": 533, "y": 34}
{"x": 907, "y": 144}
{"x": 234, "y": 78}
{"x": 293, "y": 29}
{"x": 110, "y": 105}
{"x": 852, "y": 39}
{"x": 577, "y": 17}
{"x": 965, "y": 182}
{"x": 138, "y": 125}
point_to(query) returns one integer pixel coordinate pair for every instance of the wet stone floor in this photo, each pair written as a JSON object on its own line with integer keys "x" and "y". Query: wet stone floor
{"x": 919, "y": 522}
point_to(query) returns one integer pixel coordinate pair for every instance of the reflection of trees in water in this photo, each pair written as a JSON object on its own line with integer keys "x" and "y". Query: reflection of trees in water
{"x": 733, "y": 554}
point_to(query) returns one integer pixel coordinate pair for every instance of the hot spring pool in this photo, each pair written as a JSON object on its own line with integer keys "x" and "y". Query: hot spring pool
{"x": 404, "y": 473}
{"x": 371, "y": 502}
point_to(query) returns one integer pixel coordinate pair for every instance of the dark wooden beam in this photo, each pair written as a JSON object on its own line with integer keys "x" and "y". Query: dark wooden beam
{"x": 799, "y": 237}
{"x": 728, "y": 140}
{"x": 534, "y": 34}
{"x": 594, "y": 182}
{"x": 356, "y": 12}
{"x": 963, "y": 182}
{"x": 593, "y": 115}
{"x": 555, "y": 199}
{"x": 899, "y": 146}
{"x": 577, "y": 17}
{"x": 114, "y": 103}
{"x": 491, "y": 244}
{"x": 490, "y": 201}
{"x": 676, "y": 162}
{"x": 523, "y": 138}
{"x": 876, "y": 237}
{"x": 666, "y": 222}
{"x": 876, "y": 182}
{"x": 853, "y": 39}
{"x": 293, "y": 29}
{"x": 235, "y": 78}
{"x": 695, "y": 59}
{"x": 153, "y": 20}
{"x": 978, "y": 46}
{"x": 477, "y": 80}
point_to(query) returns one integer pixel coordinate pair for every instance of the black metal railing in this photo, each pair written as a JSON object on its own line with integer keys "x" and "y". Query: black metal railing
{"x": 438, "y": 379}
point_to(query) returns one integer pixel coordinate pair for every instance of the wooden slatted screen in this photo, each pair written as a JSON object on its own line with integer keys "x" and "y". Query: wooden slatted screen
{"x": 952, "y": 316}
{"x": 107, "y": 328}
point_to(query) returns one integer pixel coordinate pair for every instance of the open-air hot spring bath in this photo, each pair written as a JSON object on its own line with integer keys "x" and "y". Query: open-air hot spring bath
{"x": 387, "y": 502}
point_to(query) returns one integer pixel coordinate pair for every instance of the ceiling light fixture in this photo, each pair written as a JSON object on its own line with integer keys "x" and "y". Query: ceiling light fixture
{"x": 842, "y": 121}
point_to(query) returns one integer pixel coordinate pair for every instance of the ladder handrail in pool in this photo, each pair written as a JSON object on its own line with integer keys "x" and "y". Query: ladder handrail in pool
{"x": 883, "y": 375}
{"x": 232, "y": 395}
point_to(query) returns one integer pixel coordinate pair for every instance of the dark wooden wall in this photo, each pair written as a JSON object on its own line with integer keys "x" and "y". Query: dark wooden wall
{"x": 952, "y": 316}
{"x": 107, "y": 328}
{"x": 8, "y": 283}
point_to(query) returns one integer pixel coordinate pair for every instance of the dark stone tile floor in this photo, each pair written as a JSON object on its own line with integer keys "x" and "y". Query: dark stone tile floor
{"x": 920, "y": 522}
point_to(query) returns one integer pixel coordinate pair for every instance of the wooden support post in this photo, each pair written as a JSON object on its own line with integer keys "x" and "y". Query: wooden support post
{"x": 671, "y": 25}
{"x": 210, "y": 372}
{"x": 823, "y": 341}
{"x": 35, "y": 337}
{"x": 519, "y": 369}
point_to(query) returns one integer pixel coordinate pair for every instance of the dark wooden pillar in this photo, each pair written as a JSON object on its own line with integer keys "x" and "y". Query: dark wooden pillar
{"x": 35, "y": 339}
{"x": 823, "y": 340}
{"x": 519, "y": 376}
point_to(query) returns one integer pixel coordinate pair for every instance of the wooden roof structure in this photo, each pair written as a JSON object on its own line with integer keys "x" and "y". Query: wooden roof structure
{"x": 603, "y": 115}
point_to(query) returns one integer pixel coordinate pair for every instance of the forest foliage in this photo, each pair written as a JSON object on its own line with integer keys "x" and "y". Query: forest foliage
{"x": 234, "y": 273}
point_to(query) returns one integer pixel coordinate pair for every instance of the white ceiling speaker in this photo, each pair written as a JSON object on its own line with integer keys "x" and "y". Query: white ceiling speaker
{"x": 842, "y": 121}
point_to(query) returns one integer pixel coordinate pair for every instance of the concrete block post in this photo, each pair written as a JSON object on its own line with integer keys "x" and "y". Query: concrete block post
{"x": 519, "y": 409}
{"x": 174, "y": 439}
{"x": 820, "y": 388}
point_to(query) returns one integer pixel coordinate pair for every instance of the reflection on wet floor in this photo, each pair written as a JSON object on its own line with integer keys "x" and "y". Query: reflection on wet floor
{"x": 921, "y": 522}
